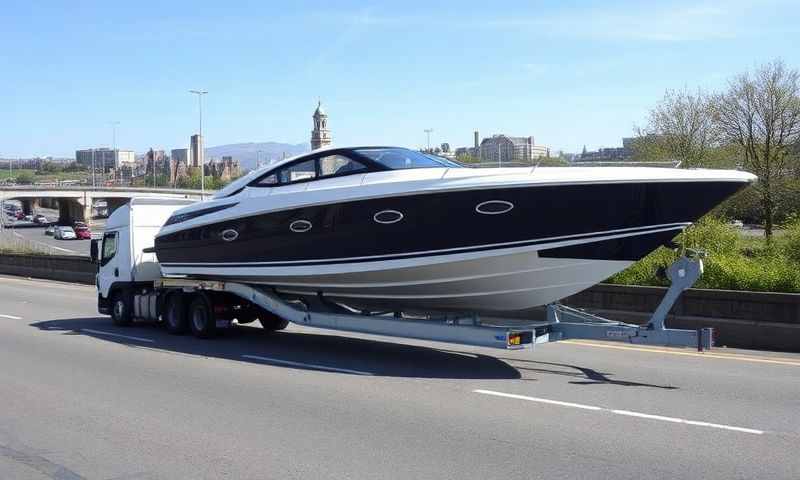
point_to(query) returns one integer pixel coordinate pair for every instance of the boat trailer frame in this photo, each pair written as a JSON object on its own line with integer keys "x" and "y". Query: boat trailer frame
{"x": 562, "y": 322}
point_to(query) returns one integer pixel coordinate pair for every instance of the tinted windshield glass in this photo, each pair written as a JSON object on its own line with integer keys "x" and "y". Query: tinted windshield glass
{"x": 400, "y": 158}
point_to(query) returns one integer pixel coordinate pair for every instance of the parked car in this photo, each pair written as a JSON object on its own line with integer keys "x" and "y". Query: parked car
{"x": 28, "y": 218}
{"x": 50, "y": 230}
{"x": 83, "y": 233}
{"x": 737, "y": 224}
{"x": 77, "y": 225}
{"x": 64, "y": 233}
{"x": 39, "y": 219}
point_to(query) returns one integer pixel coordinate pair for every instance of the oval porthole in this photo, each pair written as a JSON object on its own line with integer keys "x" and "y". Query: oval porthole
{"x": 388, "y": 216}
{"x": 229, "y": 235}
{"x": 300, "y": 226}
{"x": 494, "y": 207}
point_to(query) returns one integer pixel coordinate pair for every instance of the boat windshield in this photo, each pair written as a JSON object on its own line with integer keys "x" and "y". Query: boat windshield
{"x": 402, "y": 158}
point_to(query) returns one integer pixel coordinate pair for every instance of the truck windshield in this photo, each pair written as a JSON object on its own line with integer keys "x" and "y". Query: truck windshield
{"x": 109, "y": 247}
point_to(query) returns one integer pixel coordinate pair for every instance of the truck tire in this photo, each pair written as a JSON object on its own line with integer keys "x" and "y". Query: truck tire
{"x": 202, "y": 320}
{"x": 175, "y": 314}
{"x": 270, "y": 321}
{"x": 121, "y": 305}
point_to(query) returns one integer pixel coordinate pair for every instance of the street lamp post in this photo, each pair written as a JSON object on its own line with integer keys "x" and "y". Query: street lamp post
{"x": 428, "y": 132}
{"x": 200, "y": 152}
{"x": 114, "y": 146}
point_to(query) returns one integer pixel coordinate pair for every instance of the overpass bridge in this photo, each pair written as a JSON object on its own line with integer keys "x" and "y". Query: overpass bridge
{"x": 74, "y": 203}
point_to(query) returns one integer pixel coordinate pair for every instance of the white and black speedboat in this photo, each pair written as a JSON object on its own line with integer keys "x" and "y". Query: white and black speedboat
{"x": 394, "y": 228}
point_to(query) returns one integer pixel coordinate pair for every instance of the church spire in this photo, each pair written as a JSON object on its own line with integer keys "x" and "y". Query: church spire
{"x": 320, "y": 136}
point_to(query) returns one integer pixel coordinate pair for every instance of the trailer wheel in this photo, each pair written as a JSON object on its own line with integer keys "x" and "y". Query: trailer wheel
{"x": 202, "y": 320}
{"x": 175, "y": 315}
{"x": 121, "y": 308}
{"x": 271, "y": 322}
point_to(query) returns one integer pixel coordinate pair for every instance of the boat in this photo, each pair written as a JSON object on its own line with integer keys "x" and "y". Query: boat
{"x": 396, "y": 229}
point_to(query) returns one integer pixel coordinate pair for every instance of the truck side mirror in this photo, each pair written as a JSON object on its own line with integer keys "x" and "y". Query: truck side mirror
{"x": 93, "y": 250}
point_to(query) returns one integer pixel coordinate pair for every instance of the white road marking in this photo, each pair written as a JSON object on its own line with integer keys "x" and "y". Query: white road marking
{"x": 10, "y": 317}
{"x": 111, "y": 334}
{"x": 626, "y": 413}
{"x": 305, "y": 365}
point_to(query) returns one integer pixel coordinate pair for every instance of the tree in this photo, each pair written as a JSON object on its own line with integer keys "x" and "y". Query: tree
{"x": 679, "y": 128}
{"x": 25, "y": 178}
{"x": 760, "y": 113}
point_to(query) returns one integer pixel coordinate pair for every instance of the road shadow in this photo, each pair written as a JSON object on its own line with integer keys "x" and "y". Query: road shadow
{"x": 289, "y": 348}
{"x": 583, "y": 375}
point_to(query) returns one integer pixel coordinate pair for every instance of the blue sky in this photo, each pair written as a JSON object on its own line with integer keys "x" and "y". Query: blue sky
{"x": 567, "y": 72}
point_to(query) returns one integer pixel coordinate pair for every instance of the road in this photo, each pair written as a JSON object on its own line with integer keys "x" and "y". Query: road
{"x": 84, "y": 399}
{"x": 35, "y": 233}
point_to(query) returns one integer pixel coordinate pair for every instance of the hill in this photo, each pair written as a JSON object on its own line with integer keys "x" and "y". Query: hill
{"x": 246, "y": 153}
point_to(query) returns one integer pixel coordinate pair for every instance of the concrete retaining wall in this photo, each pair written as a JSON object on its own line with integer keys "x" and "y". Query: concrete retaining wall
{"x": 66, "y": 268}
{"x": 758, "y": 320}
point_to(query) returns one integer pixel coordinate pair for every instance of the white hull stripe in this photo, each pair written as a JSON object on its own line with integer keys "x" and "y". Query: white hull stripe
{"x": 594, "y": 236}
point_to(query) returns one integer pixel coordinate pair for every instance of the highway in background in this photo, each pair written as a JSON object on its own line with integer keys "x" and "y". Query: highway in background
{"x": 82, "y": 399}
{"x": 35, "y": 233}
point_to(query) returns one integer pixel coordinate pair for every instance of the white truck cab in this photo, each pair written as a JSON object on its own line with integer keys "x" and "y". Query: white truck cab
{"x": 123, "y": 263}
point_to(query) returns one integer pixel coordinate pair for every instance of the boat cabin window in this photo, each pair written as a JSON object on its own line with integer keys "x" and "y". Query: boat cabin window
{"x": 299, "y": 171}
{"x": 339, "y": 165}
{"x": 322, "y": 167}
{"x": 402, "y": 158}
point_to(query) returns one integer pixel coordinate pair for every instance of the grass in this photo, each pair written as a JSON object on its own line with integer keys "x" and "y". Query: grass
{"x": 733, "y": 262}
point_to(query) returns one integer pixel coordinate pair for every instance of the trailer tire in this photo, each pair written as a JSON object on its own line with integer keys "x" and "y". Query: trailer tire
{"x": 121, "y": 305}
{"x": 175, "y": 314}
{"x": 271, "y": 322}
{"x": 202, "y": 320}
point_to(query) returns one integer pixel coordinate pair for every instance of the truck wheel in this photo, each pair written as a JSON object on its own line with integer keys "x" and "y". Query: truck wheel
{"x": 202, "y": 320}
{"x": 271, "y": 322}
{"x": 121, "y": 309}
{"x": 175, "y": 315}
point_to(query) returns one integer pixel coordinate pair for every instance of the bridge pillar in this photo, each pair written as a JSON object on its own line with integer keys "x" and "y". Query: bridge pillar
{"x": 29, "y": 205}
{"x": 72, "y": 210}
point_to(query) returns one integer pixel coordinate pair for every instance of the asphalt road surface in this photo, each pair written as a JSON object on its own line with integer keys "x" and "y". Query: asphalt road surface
{"x": 34, "y": 233}
{"x": 80, "y": 398}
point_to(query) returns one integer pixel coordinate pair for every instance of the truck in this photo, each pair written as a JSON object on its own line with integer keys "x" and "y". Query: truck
{"x": 131, "y": 286}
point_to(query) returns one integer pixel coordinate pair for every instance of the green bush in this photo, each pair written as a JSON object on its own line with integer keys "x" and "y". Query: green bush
{"x": 732, "y": 262}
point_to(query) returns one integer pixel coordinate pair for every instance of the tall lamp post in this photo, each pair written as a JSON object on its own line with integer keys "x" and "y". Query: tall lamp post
{"x": 114, "y": 153}
{"x": 428, "y": 132}
{"x": 200, "y": 152}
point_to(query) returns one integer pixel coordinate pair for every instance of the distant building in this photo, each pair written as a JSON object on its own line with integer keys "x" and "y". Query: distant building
{"x": 105, "y": 158}
{"x": 225, "y": 169}
{"x": 320, "y": 136}
{"x": 616, "y": 154}
{"x": 179, "y": 162}
{"x": 196, "y": 154}
{"x": 503, "y": 148}
{"x": 182, "y": 155}
{"x": 156, "y": 159}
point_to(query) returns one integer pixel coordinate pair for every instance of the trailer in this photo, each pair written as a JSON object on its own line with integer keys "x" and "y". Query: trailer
{"x": 130, "y": 286}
